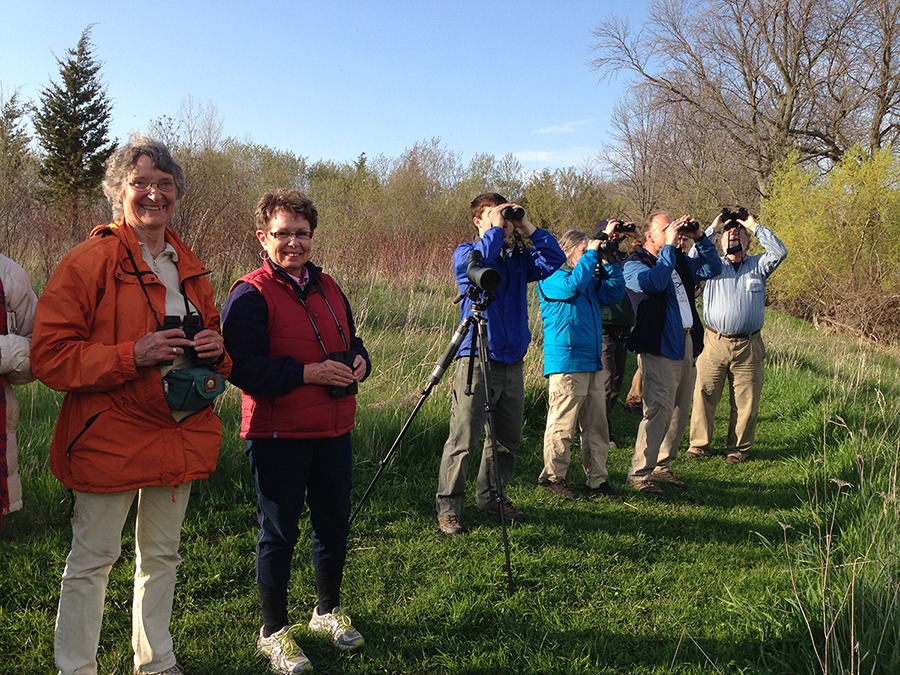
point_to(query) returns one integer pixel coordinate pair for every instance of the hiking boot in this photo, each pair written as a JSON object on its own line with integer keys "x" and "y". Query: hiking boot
{"x": 648, "y": 489}
{"x": 510, "y": 512}
{"x": 283, "y": 653}
{"x": 450, "y": 524}
{"x": 667, "y": 476}
{"x": 174, "y": 670}
{"x": 561, "y": 488}
{"x": 635, "y": 408}
{"x": 736, "y": 458}
{"x": 603, "y": 490}
{"x": 697, "y": 453}
{"x": 337, "y": 624}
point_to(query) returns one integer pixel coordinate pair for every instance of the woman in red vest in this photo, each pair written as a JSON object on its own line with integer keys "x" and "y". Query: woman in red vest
{"x": 297, "y": 360}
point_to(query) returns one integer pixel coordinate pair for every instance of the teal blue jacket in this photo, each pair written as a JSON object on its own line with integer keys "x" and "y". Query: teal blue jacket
{"x": 571, "y": 300}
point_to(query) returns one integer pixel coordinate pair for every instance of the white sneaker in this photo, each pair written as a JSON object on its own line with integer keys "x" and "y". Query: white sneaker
{"x": 337, "y": 624}
{"x": 283, "y": 653}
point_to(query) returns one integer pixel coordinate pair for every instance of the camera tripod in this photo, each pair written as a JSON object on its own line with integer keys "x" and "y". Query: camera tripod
{"x": 480, "y": 300}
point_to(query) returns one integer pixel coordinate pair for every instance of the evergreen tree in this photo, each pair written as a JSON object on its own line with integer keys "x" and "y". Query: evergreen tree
{"x": 17, "y": 169}
{"x": 72, "y": 125}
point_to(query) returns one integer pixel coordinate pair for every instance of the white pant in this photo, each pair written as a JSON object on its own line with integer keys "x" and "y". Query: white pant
{"x": 97, "y": 524}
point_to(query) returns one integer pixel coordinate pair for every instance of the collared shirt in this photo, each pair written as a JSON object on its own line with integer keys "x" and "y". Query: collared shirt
{"x": 302, "y": 280}
{"x": 734, "y": 302}
{"x": 684, "y": 305}
{"x": 166, "y": 267}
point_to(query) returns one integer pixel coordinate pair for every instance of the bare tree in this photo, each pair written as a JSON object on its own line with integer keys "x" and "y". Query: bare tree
{"x": 773, "y": 75}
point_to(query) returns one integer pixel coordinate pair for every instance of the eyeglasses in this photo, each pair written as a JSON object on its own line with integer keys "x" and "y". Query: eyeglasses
{"x": 281, "y": 235}
{"x": 164, "y": 185}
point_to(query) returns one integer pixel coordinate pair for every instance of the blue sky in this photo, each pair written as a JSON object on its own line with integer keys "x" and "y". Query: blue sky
{"x": 333, "y": 79}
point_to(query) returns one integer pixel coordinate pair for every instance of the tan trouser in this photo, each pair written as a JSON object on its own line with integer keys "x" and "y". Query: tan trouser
{"x": 576, "y": 398}
{"x": 740, "y": 362}
{"x": 96, "y": 544}
{"x": 667, "y": 403}
{"x": 636, "y": 392}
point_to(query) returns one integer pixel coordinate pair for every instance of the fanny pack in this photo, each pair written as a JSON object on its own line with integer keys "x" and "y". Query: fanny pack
{"x": 193, "y": 388}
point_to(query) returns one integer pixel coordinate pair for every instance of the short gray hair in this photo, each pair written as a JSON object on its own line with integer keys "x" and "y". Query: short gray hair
{"x": 121, "y": 165}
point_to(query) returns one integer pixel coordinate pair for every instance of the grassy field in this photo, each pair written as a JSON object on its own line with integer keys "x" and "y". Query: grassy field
{"x": 785, "y": 564}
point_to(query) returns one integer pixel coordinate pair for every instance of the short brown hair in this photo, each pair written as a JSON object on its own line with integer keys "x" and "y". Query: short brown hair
{"x": 290, "y": 201}
{"x": 485, "y": 201}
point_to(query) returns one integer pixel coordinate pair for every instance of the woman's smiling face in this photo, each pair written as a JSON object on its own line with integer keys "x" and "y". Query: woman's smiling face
{"x": 149, "y": 209}
{"x": 288, "y": 241}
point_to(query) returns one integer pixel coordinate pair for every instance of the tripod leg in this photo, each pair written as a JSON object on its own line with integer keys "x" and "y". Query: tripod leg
{"x": 437, "y": 373}
{"x": 484, "y": 358}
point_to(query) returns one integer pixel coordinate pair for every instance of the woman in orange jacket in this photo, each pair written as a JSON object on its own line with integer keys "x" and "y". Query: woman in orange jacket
{"x": 121, "y": 311}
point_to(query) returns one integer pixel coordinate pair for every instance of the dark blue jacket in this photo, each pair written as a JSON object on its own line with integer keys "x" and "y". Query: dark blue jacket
{"x": 507, "y": 314}
{"x": 648, "y": 279}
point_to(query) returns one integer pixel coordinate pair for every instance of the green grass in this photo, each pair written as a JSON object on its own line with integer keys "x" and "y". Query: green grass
{"x": 785, "y": 564}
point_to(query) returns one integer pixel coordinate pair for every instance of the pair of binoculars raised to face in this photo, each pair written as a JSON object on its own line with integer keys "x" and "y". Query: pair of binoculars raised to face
{"x": 512, "y": 213}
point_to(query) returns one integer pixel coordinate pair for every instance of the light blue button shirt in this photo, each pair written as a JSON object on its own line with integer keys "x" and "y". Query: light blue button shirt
{"x": 735, "y": 301}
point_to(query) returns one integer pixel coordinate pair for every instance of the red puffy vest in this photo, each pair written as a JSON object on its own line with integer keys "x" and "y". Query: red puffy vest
{"x": 308, "y": 411}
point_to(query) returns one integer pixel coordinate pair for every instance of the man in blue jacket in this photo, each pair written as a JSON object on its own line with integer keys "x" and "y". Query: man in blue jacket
{"x": 502, "y": 248}
{"x": 667, "y": 337}
{"x": 571, "y": 309}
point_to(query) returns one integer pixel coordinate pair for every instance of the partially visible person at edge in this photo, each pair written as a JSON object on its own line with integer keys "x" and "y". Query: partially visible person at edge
{"x": 634, "y": 399}
{"x": 733, "y": 308}
{"x": 571, "y": 302}
{"x": 297, "y": 360}
{"x": 17, "y": 301}
{"x": 98, "y": 338}
{"x": 501, "y": 246}
{"x": 668, "y": 336}
{"x": 617, "y": 318}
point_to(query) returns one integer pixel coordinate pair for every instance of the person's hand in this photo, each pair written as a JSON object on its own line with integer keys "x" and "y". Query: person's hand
{"x": 525, "y": 225}
{"x": 611, "y": 229}
{"x": 359, "y": 368}
{"x": 160, "y": 346}
{"x": 674, "y": 234}
{"x": 750, "y": 224}
{"x": 717, "y": 224}
{"x": 209, "y": 344}
{"x": 593, "y": 244}
{"x": 329, "y": 373}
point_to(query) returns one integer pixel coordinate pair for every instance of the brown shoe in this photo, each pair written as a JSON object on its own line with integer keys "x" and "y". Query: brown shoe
{"x": 649, "y": 489}
{"x": 667, "y": 476}
{"x": 736, "y": 458}
{"x": 510, "y": 512}
{"x": 697, "y": 453}
{"x": 450, "y": 524}
{"x": 635, "y": 408}
{"x": 561, "y": 488}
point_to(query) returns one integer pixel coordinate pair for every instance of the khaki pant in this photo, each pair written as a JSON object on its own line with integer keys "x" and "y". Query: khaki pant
{"x": 97, "y": 524}
{"x": 468, "y": 422}
{"x": 740, "y": 362}
{"x": 668, "y": 385}
{"x": 576, "y": 399}
{"x": 636, "y": 392}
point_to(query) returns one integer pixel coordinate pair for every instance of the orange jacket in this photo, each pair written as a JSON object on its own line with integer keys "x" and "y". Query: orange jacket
{"x": 115, "y": 431}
